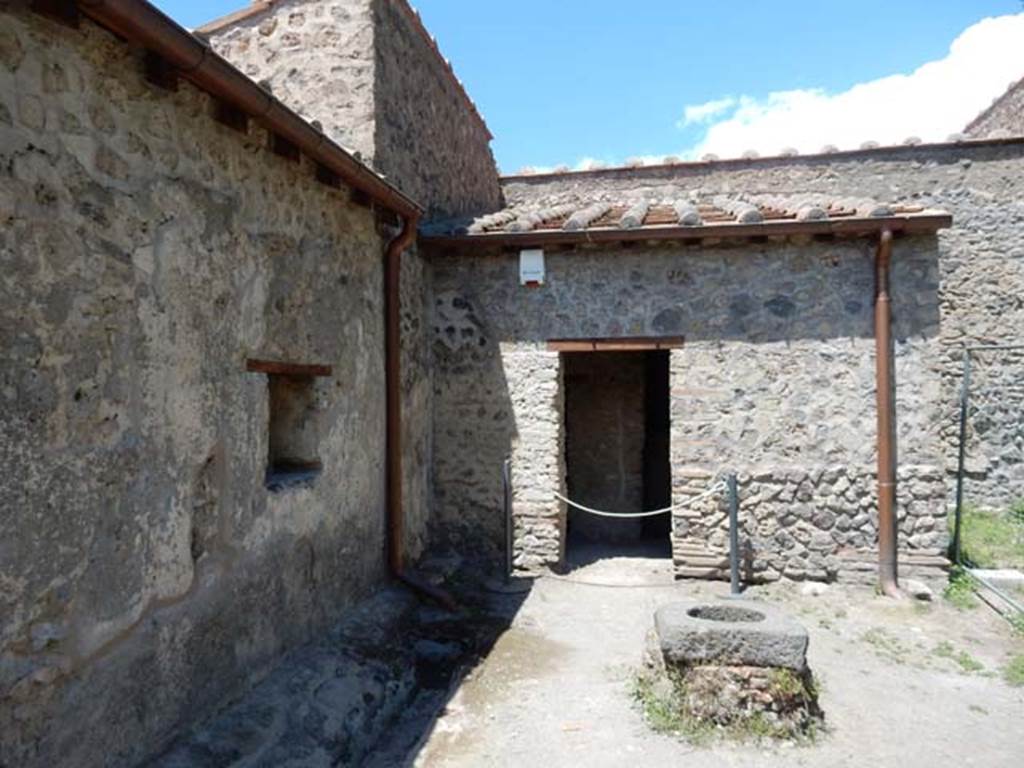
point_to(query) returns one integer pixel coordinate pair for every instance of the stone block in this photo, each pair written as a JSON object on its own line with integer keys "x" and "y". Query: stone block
{"x": 734, "y": 632}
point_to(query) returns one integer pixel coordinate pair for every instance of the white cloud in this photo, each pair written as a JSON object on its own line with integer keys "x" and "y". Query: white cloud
{"x": 935, "y": 100}
{"x": 702, "y": 113}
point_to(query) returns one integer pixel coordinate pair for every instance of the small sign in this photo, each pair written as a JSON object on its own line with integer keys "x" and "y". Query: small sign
{"x": 531, "y": 267}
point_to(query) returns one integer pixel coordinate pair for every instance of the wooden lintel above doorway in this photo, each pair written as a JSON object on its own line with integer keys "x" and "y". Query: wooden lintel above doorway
{"x": 281, "y": 368}
{"x": 623, "y": 344}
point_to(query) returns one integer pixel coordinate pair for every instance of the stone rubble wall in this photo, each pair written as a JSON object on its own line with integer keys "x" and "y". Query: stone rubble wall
{"x": 994, "y": 452}
{"x": 417, "y": 403}
{"x": 534, "y": 379}
{"x": 776, "y": 372}
{"x": 818, "y": 524}
{"x": 980, "y": 259}
{"x": 366, "y": 71}
{"x": 146, "y": 573}
{"x": 317, "y": 56}
{"x": 1004, "y": 118}
{"x": 428, "y": 138}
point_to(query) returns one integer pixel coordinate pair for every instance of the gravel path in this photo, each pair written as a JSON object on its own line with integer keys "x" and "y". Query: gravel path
{"x": 554, "y": 691}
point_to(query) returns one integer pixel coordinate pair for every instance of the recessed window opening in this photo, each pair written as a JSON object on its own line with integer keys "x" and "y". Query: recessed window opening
{"x": 617, "y": 452}
{"x": 293, "y": 444}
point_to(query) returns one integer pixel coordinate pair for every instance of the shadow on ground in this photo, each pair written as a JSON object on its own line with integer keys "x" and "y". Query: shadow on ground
{"x": 368, "y": 693}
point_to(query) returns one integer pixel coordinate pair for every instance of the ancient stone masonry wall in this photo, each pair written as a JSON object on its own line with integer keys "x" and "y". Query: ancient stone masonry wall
{"x": 994, "y": 448}
{"x": 428, "y": 138}
{"x": 981, "y": 258}
{"x": 775, "y": 378}
{"x": 367, "y": 72}
{"x": 145, "y": 569}
{"x": 417, "y": 402}
{"x": 318, "y": 58}
{"x": 819, "y": 523}
{"x": 1004, "y": 118}
{"x": 537, "y": 452}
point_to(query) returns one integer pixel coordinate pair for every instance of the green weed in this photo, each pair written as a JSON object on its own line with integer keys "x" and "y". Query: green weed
{"x": 960, "y": 590}
{"x": 963, "y": 659}
{"x": 1013, "y": 670}
{"x": 993, "y": 539}
{"x": 786, "y": 682}
{"x": 886, "y": 646}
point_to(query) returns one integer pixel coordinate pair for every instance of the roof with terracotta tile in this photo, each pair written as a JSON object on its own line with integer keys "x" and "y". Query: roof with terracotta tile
{"x": 411, "y": 14}
{"x": 692, "y": 216}
{"x": 753, "y": 159}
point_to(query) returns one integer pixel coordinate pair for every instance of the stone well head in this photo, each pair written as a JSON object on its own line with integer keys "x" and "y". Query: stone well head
{"x": 730, "y": 633}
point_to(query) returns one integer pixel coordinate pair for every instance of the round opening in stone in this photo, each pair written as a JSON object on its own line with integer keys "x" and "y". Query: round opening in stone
{"x": 725, "y": 613}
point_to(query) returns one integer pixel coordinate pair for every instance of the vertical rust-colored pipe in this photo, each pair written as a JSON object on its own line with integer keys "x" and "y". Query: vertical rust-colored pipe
{"x": 887, "y": 568}
{"x": 393, "y": 407}
{"x": 393, "y": 391}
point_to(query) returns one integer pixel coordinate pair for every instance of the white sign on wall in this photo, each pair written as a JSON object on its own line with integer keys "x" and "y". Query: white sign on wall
{"x": 531, "y": 267}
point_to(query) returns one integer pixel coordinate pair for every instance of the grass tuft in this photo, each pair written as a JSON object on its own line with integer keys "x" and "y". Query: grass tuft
{"x": 662, "y": 701}
{"x": 960, "y": 590}
{"x": 1013, "y": 670}
{"x": 963, "y": 659}
{"x": 993, "y": 539}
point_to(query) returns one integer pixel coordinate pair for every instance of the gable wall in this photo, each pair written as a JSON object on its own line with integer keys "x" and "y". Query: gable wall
{"x": 318, "y": 58}
{"x": 368, "y": 73}
{"x": 428, "y": 138}
{"x": 1004, "y": 117}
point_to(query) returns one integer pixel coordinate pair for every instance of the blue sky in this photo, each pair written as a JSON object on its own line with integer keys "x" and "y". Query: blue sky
{"x": 577, "y": 81}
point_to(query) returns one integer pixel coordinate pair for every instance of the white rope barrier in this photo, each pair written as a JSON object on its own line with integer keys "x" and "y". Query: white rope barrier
{"x": 651, "y": 513}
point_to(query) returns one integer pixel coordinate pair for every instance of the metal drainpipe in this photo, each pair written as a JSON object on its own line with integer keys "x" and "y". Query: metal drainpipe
{"x": 887, "y": 566}
{"x": 393, "y": 400}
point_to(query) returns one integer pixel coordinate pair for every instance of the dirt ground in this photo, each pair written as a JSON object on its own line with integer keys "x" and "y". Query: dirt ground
{"x": 904, "y": 684}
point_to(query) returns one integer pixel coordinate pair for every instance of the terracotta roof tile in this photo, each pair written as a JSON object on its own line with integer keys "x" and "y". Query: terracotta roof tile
{"x": 637, "y": 213}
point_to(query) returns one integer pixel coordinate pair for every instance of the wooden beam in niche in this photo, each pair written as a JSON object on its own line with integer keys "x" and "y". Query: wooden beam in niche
{"x": 625, "y": 344}
{"x": 280, "y": 368}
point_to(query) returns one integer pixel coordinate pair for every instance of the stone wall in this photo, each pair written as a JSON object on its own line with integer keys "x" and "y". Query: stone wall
{"x": 417, "y": 403}
{"x": 429, "y": 137}
{"x": 776, "y": 378}
{"x": 317, "y": 56}
{"x": 994, "y": 450}
{"x": 1004, "y": 118}
{"x": 371, "y": 75}
{"x": 801, "y": 523}
{"x": 981, "y": 258}
{"x": 146, "y": 571}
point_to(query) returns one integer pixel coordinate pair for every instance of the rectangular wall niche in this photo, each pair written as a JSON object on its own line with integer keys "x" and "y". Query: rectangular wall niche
{"x": 293, "y": 442}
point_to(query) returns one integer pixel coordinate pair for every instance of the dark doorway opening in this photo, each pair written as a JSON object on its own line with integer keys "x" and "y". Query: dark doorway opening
{"x": 617, "y": 452}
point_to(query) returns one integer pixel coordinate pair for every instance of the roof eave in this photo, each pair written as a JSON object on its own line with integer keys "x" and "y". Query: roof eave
{"x": 847, "y": 227}
{"x": 139, "y": 22}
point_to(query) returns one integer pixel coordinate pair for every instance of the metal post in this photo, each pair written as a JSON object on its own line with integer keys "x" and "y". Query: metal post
{"x": 506, "y": 480}
{"x": 965, "y": 388}
{"x": 734, "y": 536}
